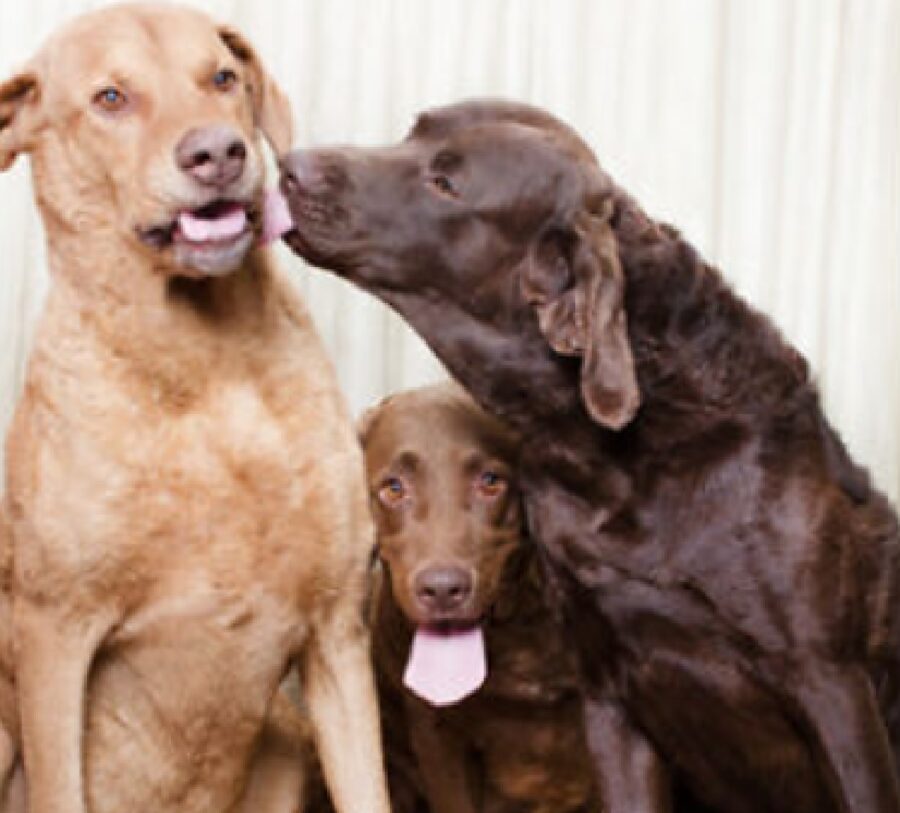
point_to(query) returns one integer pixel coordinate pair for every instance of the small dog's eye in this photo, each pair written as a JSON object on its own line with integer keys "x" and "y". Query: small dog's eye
{"x": 490, "y": 484}
{"x": 225, "y": 79}
{"x": 444, "y": 185}
{"x": 392, "y": 491}
{"x": 111, "y": 99}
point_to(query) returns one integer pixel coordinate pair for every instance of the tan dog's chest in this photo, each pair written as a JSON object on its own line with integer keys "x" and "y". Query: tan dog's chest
{"x": 210, "y": 528}
{"x": 132, "y": 501}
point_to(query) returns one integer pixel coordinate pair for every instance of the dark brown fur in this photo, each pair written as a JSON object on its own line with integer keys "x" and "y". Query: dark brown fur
{"x": 729, "y": 576}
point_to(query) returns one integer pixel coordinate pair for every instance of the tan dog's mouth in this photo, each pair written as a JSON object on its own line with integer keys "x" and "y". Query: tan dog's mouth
{"x": 212, "y": 239}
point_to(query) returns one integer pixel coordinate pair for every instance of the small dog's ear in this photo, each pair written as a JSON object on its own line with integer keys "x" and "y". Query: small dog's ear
{"x": 19, "y": 116}
{"x": 574, "y": 281}
{"x": 366, "y": 422}
{"x": 271, "y": 108}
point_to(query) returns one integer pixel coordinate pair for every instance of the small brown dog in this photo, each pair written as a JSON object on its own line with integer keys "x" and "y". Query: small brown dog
{"x": 185, "y": 491}
{"x": 458, "y": 572}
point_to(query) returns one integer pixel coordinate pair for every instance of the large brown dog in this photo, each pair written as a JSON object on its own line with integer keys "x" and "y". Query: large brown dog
{"x": 731, "y": 579}
{"x": 185, "y": 490}
{"x": 457, "y": 562}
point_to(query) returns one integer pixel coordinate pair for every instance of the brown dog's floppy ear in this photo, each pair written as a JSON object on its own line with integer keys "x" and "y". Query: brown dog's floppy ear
{"x": 577, "y": 287}
{"x": 271, "y": 107}
{"x": 19, "y": 99}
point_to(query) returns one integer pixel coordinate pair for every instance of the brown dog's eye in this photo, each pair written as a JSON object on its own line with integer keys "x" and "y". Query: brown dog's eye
{"x": 392, "y": 491}
{"x": 225, "y": 79}
{"x": 111, "y": 100}
{"x": 490, "y": 484}
{"x": 444, "y": 185}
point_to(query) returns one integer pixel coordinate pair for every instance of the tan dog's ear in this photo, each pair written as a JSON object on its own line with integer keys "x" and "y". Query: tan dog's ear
{"x": 575, "y": 282}
{"x": 271, "y": 107}
{"x": 19, "y": 116}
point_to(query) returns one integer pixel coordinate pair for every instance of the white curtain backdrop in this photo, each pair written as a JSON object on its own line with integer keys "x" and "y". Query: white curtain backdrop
{"x": 767, "y": 130}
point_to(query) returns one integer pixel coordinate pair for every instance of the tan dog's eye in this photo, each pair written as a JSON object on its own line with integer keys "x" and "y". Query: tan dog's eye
{"x": 111, "y": 100}
{"x": 490, "y": 484}
{"x": 225, "y": 79}
{"x": 392, "y": 491}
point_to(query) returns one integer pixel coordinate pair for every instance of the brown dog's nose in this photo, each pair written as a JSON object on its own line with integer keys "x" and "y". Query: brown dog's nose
{"x": 214, "y": 156}
{"x": 314, "y": 171}
{"x": 442, "y": 588}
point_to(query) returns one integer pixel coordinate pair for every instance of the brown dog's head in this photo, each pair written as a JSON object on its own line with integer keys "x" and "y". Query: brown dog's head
{"x": 490, "y": 219}
{"x": 444, "y": 497}
{"x": 141, "y": 122}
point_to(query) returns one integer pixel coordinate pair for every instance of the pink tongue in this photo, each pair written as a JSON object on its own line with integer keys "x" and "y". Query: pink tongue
{"x": 226, "y": 226}
{"x": 277, "y": 218}
{"x": 443, "y": 668}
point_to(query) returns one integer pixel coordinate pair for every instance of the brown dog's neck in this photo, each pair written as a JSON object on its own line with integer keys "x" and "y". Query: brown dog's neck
{"x": 701, "y": 352}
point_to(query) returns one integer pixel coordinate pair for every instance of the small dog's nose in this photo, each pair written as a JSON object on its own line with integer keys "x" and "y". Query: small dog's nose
{"x": 214, "y": 156}
{"x": 442, "y": 588}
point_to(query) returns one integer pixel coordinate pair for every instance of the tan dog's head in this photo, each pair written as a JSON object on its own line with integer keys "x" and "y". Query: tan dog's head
{"x": 447, "y": 511}
{"x": 142, "y": 124}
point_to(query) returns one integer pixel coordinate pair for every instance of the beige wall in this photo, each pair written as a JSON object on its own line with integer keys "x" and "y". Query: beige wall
{"x": 768, "y": 130}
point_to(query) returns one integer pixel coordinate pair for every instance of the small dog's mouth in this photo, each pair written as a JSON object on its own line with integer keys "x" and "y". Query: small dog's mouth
{"x": 451, "y": 626}
{"x": 218, "y": 223}
{"x": 444, "y": 668}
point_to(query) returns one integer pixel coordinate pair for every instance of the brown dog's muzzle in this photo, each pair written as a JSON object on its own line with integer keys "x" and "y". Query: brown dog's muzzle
{"x": 313, "y": 172}
{"x": 442, "y": 591}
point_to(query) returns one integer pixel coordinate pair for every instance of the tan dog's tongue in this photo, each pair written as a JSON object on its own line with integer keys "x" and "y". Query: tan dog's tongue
{"x": 443, "y": 668}
{"x": 228, "y": 225}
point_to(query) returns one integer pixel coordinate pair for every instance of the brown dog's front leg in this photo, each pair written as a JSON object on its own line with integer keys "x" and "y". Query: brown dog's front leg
{"x": 630, "y": 775}
{"x": 838, "y": 706}
{"x": 340, "y": 693}
{"x": 53, "y": 658}
{"x": 441, "y": 761}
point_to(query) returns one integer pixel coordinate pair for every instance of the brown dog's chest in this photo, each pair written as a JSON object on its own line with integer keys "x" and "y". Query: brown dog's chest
{"x": 522, "y": 732}
{"x": 691, "y": 638}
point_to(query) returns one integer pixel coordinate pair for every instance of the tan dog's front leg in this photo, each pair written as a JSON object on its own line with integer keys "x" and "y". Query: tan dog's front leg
{"x": 53, "y": 658}
{"x": 8, "y": 753}
{"x": 340, "y": 693}
{"x": 283, "y": 763}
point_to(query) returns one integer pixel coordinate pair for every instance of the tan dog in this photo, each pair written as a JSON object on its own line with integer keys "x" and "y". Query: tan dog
{"x": 185, "y": 492}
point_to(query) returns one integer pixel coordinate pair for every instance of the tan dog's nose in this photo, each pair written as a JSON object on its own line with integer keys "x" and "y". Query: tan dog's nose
{"x": 442, "y": 589}
{"x": 213, "y": 156}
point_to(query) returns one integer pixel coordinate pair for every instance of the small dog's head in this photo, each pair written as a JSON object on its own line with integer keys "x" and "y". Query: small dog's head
{"x": 142, "y": 122}
{"x": 446, "y": 507}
